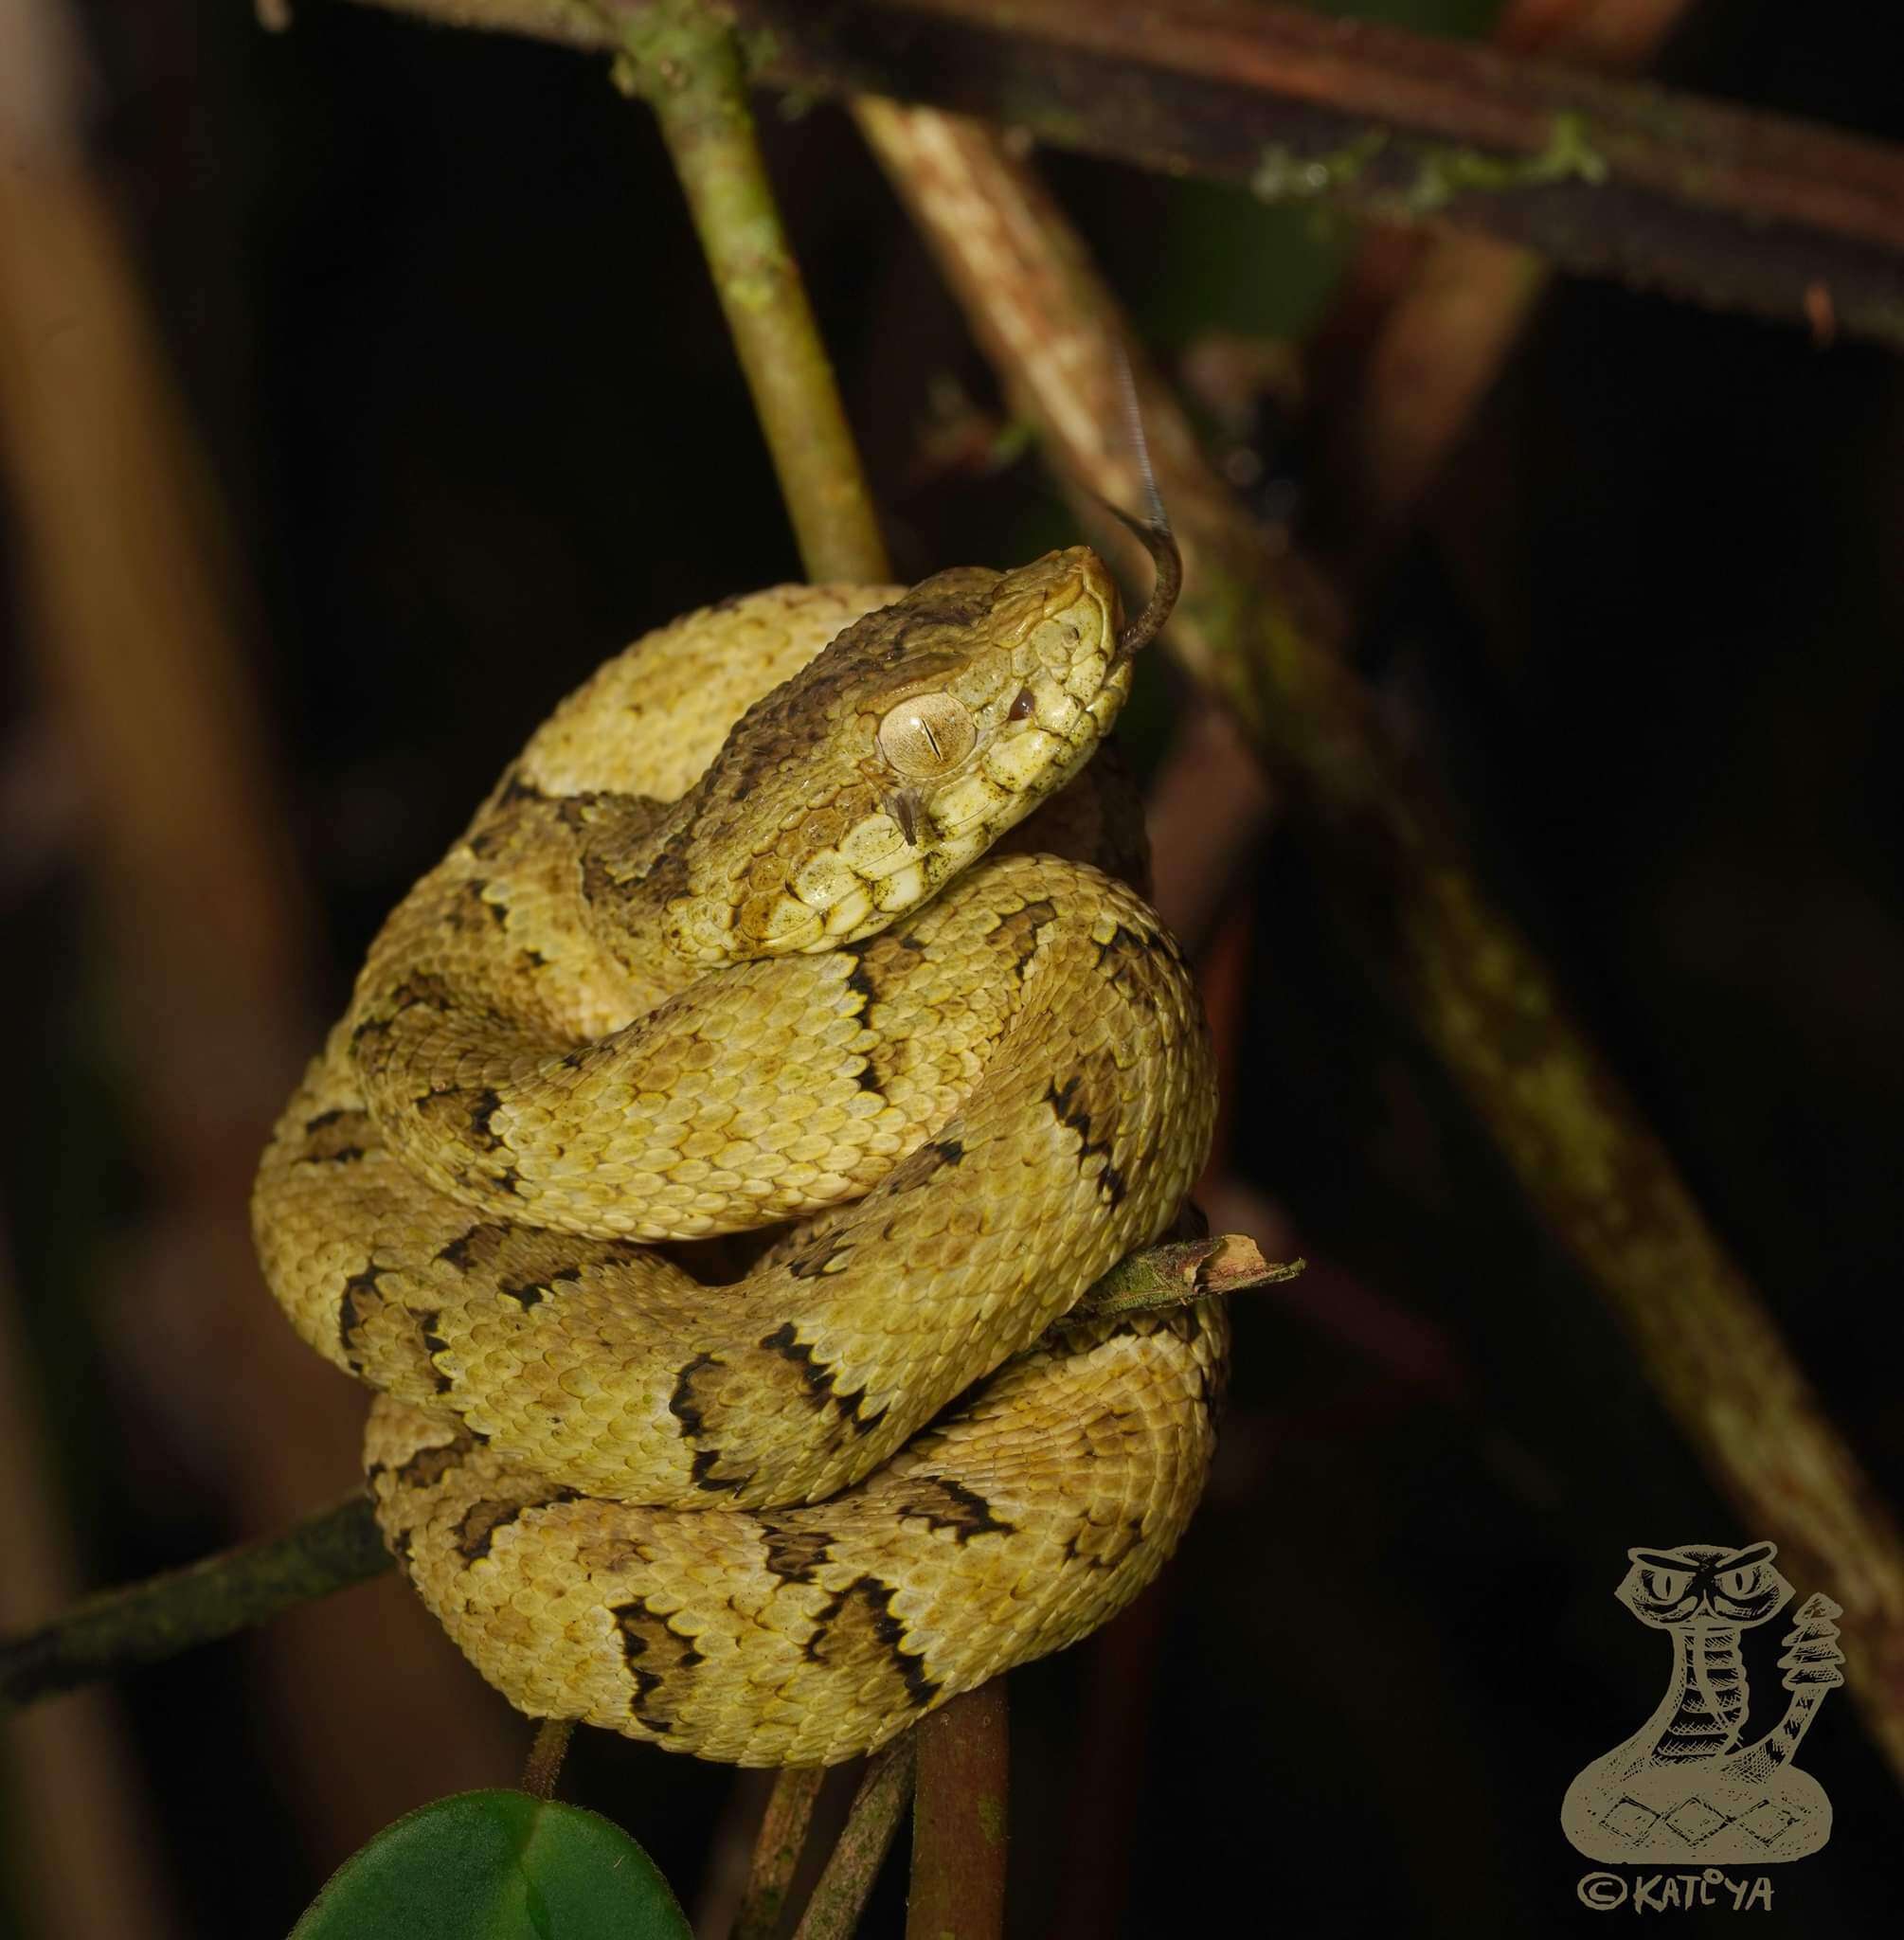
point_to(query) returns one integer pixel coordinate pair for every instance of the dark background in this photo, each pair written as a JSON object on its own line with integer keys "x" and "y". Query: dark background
{"x": 441, "y": 327}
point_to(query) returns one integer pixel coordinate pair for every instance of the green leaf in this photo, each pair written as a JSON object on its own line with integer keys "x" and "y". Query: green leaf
{"x": 496, "y": 1866}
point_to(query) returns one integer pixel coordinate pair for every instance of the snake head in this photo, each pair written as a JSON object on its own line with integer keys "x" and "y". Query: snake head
{"x": 907, "y": 747}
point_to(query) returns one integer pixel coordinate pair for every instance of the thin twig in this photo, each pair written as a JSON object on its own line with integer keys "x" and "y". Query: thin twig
{"x": 839, "y": 1897}
{"x": 1179, "y": 1271}
{"x": 1713, "y": 204}
{"x": 146, "y": 1622}
{"x": 684, "y": 63}
{"x": 776, "y": 1851}
{"x": 206, "y": 1600}
{"x": 544, "y": 1764}
{"x": 961, "y": 1812}
{"x": 1601, "y": 1181}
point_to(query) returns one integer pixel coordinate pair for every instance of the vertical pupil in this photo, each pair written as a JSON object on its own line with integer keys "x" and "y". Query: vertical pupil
{"x": 925, "y": 727}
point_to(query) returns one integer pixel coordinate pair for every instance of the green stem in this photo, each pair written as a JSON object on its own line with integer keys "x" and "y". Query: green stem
{"x": 686, "y": 66}
{"x": 206, "y": 1600}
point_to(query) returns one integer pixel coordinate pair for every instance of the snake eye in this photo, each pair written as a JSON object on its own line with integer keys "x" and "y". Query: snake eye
{"x": 926, "y": 734}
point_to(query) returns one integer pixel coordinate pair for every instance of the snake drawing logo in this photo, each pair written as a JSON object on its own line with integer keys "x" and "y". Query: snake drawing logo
{"x": 1682, "y": 1785}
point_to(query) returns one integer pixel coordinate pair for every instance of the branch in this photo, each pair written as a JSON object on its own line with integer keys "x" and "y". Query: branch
{"x": 778, "y": 1846}
{"x": 204, "y": 1600}
{"x": 844, "y": 1887}
{"x": 1177, "y": 1272}
{"x": 219, "y": 1594}
{"x": 1263, "y": 634}
{"x": 1710, "y": 204}
{"x": 685, "y": 64}
{"x": 960, "y": 1819}
{"x": 546, "y": 1753}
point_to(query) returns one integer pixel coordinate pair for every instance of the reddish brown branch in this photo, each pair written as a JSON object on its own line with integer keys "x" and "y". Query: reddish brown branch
{"x": 959, "y": 1820}
{"x": 1713, "y": 204}
{"x": 1261, "y": 635}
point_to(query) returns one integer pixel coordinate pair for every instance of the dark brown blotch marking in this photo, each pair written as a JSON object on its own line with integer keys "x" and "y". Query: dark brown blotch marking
{"x": 1073, "y": 1112}
{"x": 427, "y": 1466}
{"x": 473, "y": 1249}
{"x": 1017, "y": 935}
{"x": 480, "y": 1521}
{"x": 817, "y": 1379}
{"x": 528, "y": 1293}
{"x": 695, "y": 1392}
{"x": 859, "y": 980}
{"x": 795, "y": 1552}
{"x": 880, "y": 965}
{"x": 701, "y": 1473}
{"x": 1109, "y": 1553}
{"x": 516, "y": 789}
{"x": 683, "y": 1404}
{"x": 947, "y": 1504}
{"x": 653, "y": 1651}
{"x": 921, "y": 1165}
{"x": 422, "y": 990}
{"x": 484, "y": 1109}
{"x": 813, "y": 1258}
{"x": 349, "y": 1315}
{"x": 864, "y": 1610}
{"x": 435, "y": 1344}
{"x": 474, "y": 909}
{"x": 1123, "y": 940}
{"x": 465, "y": 1123}
{"x": 336, "y": 1138}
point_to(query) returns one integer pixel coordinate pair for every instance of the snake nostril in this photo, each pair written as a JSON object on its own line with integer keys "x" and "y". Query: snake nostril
{"x": 1021, "y": 709}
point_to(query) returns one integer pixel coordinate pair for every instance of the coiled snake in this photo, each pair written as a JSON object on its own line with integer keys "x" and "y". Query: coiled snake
{"x": 735, "y": 943}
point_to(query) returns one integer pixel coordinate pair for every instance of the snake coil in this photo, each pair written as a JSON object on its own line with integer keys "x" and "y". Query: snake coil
{"x": 803, "y": 921}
